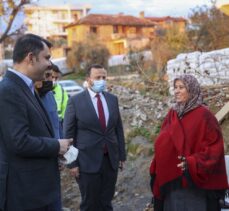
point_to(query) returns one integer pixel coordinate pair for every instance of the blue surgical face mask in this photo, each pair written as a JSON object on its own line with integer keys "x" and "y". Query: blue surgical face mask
{"x": 98, "y": 85}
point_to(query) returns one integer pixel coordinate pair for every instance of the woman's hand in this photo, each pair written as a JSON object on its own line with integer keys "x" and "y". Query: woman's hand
{"x": 183, "y": 163}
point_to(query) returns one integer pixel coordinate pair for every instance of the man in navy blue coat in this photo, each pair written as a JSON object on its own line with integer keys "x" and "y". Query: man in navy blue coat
{"x": 92, "y": 117}
{"x": 29, "y": 174}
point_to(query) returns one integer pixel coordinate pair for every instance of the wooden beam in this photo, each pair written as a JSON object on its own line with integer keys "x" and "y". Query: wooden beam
{"x": 220, "y": 115}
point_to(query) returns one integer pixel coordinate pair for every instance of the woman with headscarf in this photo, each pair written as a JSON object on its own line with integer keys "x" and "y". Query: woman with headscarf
{"x": 188, "y": 169}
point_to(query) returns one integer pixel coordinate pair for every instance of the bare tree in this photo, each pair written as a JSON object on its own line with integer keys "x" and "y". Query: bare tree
{"x": 8, "y": 12}
{"x": 208, "y": 29}
{"x": 167, "y": 45}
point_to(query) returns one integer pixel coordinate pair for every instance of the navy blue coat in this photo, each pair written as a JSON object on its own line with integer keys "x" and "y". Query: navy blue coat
{"x": 29, "y": 175}
{"x": 82, "y": 124}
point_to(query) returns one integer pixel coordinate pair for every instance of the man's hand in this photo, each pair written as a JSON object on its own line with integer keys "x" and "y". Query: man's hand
{"x": 64, "y": 145}
{"x": 75, "y": 172}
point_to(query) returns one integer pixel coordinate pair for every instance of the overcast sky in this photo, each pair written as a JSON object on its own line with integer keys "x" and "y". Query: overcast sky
{"x": 151, "y": 7}
{"x": 175, "y": 8}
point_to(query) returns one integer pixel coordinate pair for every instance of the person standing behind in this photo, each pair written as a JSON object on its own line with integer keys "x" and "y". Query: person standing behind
{"x": 60, "y": 94}
{"x": 92, "y": 117}
{"x": 44, "y": 90}
{"x": 29, "y": 154}
{"x": 188, "y": 169}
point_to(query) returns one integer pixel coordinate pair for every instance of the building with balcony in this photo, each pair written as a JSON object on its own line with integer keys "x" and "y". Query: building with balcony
{"x": 50, "y": 21}
{"x": 118, "y": 32}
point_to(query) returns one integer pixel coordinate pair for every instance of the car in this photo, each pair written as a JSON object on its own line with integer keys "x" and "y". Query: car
{"x": 71, "y": 87}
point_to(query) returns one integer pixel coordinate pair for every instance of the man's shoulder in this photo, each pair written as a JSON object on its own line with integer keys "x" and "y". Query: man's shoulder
{"x": 49, "y": 95}
{"x": 7, "y": 84}
{"x": 9, "y": 89}
{"x": 109, "y": 94}
{"x": 80, "y": 95}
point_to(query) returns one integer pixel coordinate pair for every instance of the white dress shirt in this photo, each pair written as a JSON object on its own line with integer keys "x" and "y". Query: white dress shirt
{"x": 94, "y": 101}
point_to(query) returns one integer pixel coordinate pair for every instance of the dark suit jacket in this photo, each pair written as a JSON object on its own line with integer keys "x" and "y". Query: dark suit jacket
{"x": 82, "y": 124}
{"x": 28, "y": 163}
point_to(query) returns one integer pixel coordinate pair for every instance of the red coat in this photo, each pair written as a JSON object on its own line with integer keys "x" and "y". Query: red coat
{"x": 197, "y": 137}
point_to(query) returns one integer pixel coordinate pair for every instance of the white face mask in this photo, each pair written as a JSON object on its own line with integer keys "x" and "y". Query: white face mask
{"x": 98, "y": 85}
{"x": 55, "y": 83}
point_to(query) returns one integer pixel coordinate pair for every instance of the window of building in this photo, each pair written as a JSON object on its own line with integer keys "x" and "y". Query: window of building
{"x": 63, "y": 15}
{"x": 124, "y": 29}
{"x": 75, "y": 17}
{"x": 115, "y": 29}
{"x": 138, "y": 30}
{"x": 93, "y": 29}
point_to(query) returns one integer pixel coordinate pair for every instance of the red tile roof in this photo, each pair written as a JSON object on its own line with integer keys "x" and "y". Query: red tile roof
{"x": 166, "y": 18}
{"x": 101, "y": 19}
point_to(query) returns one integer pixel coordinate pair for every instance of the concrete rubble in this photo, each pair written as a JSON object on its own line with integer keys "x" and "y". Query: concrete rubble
{"x": 139, "y": 110}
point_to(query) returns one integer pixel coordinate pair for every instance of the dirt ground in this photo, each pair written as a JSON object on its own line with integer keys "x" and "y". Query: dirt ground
{"x": 132, "y": 190}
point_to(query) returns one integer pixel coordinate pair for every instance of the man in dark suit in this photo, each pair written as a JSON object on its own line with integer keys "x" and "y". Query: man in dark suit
{"x": 29, "y": 174}
{"x": 93, "y": 119}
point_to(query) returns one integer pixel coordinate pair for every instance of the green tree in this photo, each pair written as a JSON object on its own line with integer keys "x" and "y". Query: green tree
{"x": 86, "y": 53}
{"x": 8, "y": 12}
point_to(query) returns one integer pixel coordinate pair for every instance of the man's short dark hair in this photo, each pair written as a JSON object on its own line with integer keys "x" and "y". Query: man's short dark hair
{"x": 97, "y": 66}
{"x": 55, "y": 68}
{"x": 28, "y": 43}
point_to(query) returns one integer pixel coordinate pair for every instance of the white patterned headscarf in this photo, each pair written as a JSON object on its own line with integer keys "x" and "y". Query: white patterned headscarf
{"x": 195, "y": 97}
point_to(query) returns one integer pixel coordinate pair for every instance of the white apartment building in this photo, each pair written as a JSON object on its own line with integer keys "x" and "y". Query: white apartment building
{"x": 49, "y": 21}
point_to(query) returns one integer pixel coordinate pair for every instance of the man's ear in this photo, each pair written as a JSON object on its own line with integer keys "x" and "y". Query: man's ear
{"x": 88, "y": 80}
{"x": 29, "y": 58}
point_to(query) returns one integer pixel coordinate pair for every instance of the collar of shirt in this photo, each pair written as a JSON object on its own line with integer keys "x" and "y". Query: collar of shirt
{"x": 93, "y": 94}
{"x": 25, "y": 78}
{"x": 94, "y": 102}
